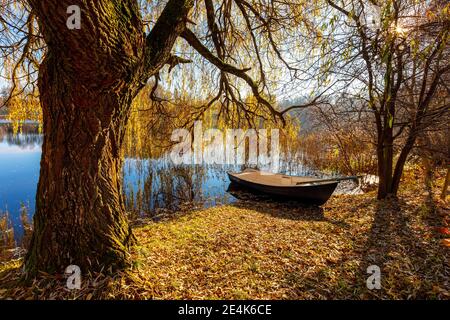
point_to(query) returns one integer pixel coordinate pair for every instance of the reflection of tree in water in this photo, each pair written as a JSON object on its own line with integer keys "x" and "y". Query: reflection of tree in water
{"x": 161, "y": 185}
{"x": 178, "y": 185}
{"x": 29, "y": 136}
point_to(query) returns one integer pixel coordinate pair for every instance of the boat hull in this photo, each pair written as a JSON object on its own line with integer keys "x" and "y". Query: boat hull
{"x": 317, "y": 194}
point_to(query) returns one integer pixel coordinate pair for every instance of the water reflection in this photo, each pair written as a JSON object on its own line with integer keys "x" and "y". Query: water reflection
{"x": 155, "y": 185}
{"x": 19, "y": 173}
{"x": 29, "y": 140}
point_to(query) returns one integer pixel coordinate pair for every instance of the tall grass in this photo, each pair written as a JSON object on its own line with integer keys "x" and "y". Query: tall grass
{"x": 9, "y": 247}
{"x": 6, "y": 234}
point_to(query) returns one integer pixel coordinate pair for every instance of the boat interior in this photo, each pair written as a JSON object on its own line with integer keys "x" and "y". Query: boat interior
{"x": 276, "y": 180}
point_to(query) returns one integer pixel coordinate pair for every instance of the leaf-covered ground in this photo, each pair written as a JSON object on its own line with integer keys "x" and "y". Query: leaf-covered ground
{"x": 263, "y": 250}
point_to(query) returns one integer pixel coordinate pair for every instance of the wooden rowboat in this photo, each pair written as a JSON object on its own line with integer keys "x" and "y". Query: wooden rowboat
{"x": 303, "y": 189}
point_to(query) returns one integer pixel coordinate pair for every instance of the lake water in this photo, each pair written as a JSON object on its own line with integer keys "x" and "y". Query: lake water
{"x": 19, "y": 173}
{"x": 152, "y": 186}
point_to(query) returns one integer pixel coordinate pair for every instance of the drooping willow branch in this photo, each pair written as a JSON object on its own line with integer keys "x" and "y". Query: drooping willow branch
{"x": 192, "y": 40}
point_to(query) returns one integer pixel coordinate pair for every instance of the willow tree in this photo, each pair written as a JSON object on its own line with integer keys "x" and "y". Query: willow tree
{"x": 87, "y": 79}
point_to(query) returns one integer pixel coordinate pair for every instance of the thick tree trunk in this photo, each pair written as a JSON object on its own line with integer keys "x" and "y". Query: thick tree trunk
{"x": 80, "y": 214}
{"x": 86, "y": 82}
{"x": 445, "y": 186}
{"x": 389, "y": 176}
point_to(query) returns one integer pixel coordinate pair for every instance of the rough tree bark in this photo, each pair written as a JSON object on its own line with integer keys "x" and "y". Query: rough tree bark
{"x": 401, "y": 161}
{"x": 87, "y": 82}
{"x": 446, "y": 184}
{"x": 385, "y": 155}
